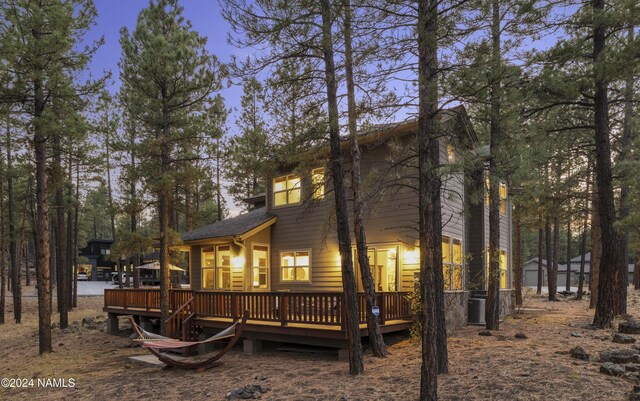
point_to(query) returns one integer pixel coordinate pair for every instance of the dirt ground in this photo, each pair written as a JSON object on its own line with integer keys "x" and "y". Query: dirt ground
{"x": 497, "y": 367}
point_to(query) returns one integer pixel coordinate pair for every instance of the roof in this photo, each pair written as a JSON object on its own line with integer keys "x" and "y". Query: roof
{"x": 410, "y": 125}
{"x": 232, "y": 227}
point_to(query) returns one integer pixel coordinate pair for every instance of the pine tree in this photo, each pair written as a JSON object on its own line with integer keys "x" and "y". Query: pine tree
{"x": 249, "y": 152}
{"x": 167, "y": 75}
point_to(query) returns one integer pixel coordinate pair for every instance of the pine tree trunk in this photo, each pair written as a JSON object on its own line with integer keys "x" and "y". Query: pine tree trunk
{"x": 112, "y": 210}
{"x": 76, "y": 226}
{"x": 628, "y": 138}
{"x": 42, "y": 221}
{"x": 71, "y": 276}
{"x": 61, "y": 234}
{"x": 16, "y": 284}
{"x": 430, "y": 246}
{"x": 605, "y": 307}
{"x": 351, "y": 315}
{"x": 596, "y": 251}
{"x": 218, "y": 185}
{"x": 636, "y": 271}
{"x": 378, "y": 346}
{"x": 540, "y": 242}
{"x": 550, "y": 276}
{"x": 568, "y": 278}
{"x": 492, "y": 312}
{"x": 163, "y": 214}
{"x": 517, "y": 257}
{"x": 553, "y": 284}
{"x": 3, "y": 258}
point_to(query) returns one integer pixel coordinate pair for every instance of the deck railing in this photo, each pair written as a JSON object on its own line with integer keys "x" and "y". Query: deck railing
{"x": 322, "y": 308}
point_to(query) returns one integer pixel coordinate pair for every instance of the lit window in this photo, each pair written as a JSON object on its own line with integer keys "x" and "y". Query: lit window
{"x": 452, "y": 267}
{"x": 451, "y": 153}
{"x": 286, "y": 190}
{"x": 260, "y": 260}
{"x": 503, "y": 198}
{"x": 317, "y": 181}
{"x": 503, "y": 270}
{"x": 223, "y": 268}
{"x": 295, "y": 266}
{"x": 208, "y": 267}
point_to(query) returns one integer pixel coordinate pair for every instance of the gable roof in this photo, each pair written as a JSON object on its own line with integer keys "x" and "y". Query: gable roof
{"x": 232, "y": 227}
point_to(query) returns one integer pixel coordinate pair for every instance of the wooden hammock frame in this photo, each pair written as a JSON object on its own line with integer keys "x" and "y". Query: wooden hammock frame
{"x": 201, "y": 366}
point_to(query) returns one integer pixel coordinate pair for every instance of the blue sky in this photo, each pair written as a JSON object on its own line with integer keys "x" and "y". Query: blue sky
{"x": 114, "y": 14}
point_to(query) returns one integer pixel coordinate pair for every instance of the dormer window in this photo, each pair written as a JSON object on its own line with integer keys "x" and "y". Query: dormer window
{"x": 317, "y": 182}
{"x": 286, "y": 190}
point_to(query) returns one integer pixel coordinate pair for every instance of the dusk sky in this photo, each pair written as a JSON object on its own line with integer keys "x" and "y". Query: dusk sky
{"x": 204, "y": 15}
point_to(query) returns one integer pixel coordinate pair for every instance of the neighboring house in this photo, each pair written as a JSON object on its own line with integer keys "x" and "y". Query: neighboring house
{"x": 531, "y": 272}
{"x": 281, "y": 260}
{"x": 97, "y": 252}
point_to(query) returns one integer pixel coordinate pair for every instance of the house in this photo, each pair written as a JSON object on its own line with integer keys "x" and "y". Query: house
{"x": 97, "y": 252}
{"x": 281, "y": 262}
{"x": 531, "y": 271}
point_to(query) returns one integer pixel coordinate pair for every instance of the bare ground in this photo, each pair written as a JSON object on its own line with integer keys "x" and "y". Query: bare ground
{"x": 498, "y": 367}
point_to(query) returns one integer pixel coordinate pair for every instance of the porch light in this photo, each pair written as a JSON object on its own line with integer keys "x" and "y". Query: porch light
{"x": 237, "y": 262}
{"x": 412, "y": 256}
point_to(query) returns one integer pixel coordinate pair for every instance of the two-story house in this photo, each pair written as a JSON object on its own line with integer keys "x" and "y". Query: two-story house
{"x": 281, "y": 262}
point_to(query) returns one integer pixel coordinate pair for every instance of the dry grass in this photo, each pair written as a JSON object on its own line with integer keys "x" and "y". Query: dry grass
{"x": 499, "y": 367}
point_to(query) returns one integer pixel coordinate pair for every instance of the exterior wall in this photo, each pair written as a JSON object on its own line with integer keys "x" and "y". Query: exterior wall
{"x": 196, "y": 267}
{"x": 390, "y": 218}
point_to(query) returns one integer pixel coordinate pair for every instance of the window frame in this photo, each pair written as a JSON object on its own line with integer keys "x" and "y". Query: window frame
{"x": 203, "y": 268}
{"x": 503, "y": 200}
{"x": 287, "y": 191}
{"x": 268, "y": 246}
{"x": 318, "y": 189}
{"x": 295, "y": 252}
{"x": 218, "y": 268}
{"x": 451, "y": 265}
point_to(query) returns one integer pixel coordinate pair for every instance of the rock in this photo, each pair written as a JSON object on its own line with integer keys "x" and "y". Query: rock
{"x": 630, "y": 327}
{"x": 612, "y": 369}
{"x": 632, "y": 368}
{"x": 520, "y": 335}
{"x": 576, "y": 334}
{"x": 623, "y": 339}
{"x": 578, "y": 352}
{"x": 620, "y": 356}
{"x": 634, "y": 397}
{"x": 636, "y": 389}
{"x": 247, "y": 392}
{"x": 86, "y": 321}
{"x": 261, "y": 377}
{"x": 54, "y": 325}
{"x": 485, "y": 333}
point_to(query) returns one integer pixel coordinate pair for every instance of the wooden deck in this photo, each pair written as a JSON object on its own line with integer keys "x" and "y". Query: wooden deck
{"x": 272, "y": 315}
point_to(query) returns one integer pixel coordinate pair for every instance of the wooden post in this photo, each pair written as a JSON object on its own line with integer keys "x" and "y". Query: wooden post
{"x": 343, "y": 318}
{"x": 284, "y": 308}
{"x": 382, "y": 307}
{"x": 234, "y": 307}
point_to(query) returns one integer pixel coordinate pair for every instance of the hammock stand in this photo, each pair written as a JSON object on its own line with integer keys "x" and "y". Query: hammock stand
{"x": 155, "y": 342}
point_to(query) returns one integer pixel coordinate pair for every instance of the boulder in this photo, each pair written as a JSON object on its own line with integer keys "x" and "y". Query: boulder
{"x": 623, "y": 339}
{"x": 630, "y": 327}
{"x": 485, "y": 333}
{"x": 578, "y": 352}
{"x": 521, "y": 335}
{"x": 86, "y": 321}
{"x": 620, "y": 356}
{"x": 612, "y": 369}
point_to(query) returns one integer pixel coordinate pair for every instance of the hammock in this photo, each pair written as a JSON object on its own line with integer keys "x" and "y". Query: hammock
{"x": 154, "y": 342}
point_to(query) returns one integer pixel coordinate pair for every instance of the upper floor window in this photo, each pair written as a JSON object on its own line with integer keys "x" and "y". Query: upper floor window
{"x": 451, "y": 153}
{"x": 503, "y": 196}
{"x": 286, "y": 190}
{"x": 317, "y": 182}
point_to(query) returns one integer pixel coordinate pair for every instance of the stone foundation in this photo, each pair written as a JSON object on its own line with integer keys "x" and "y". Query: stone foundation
{"x": 456, "y": 307}
{"x": 507, "y": 301}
